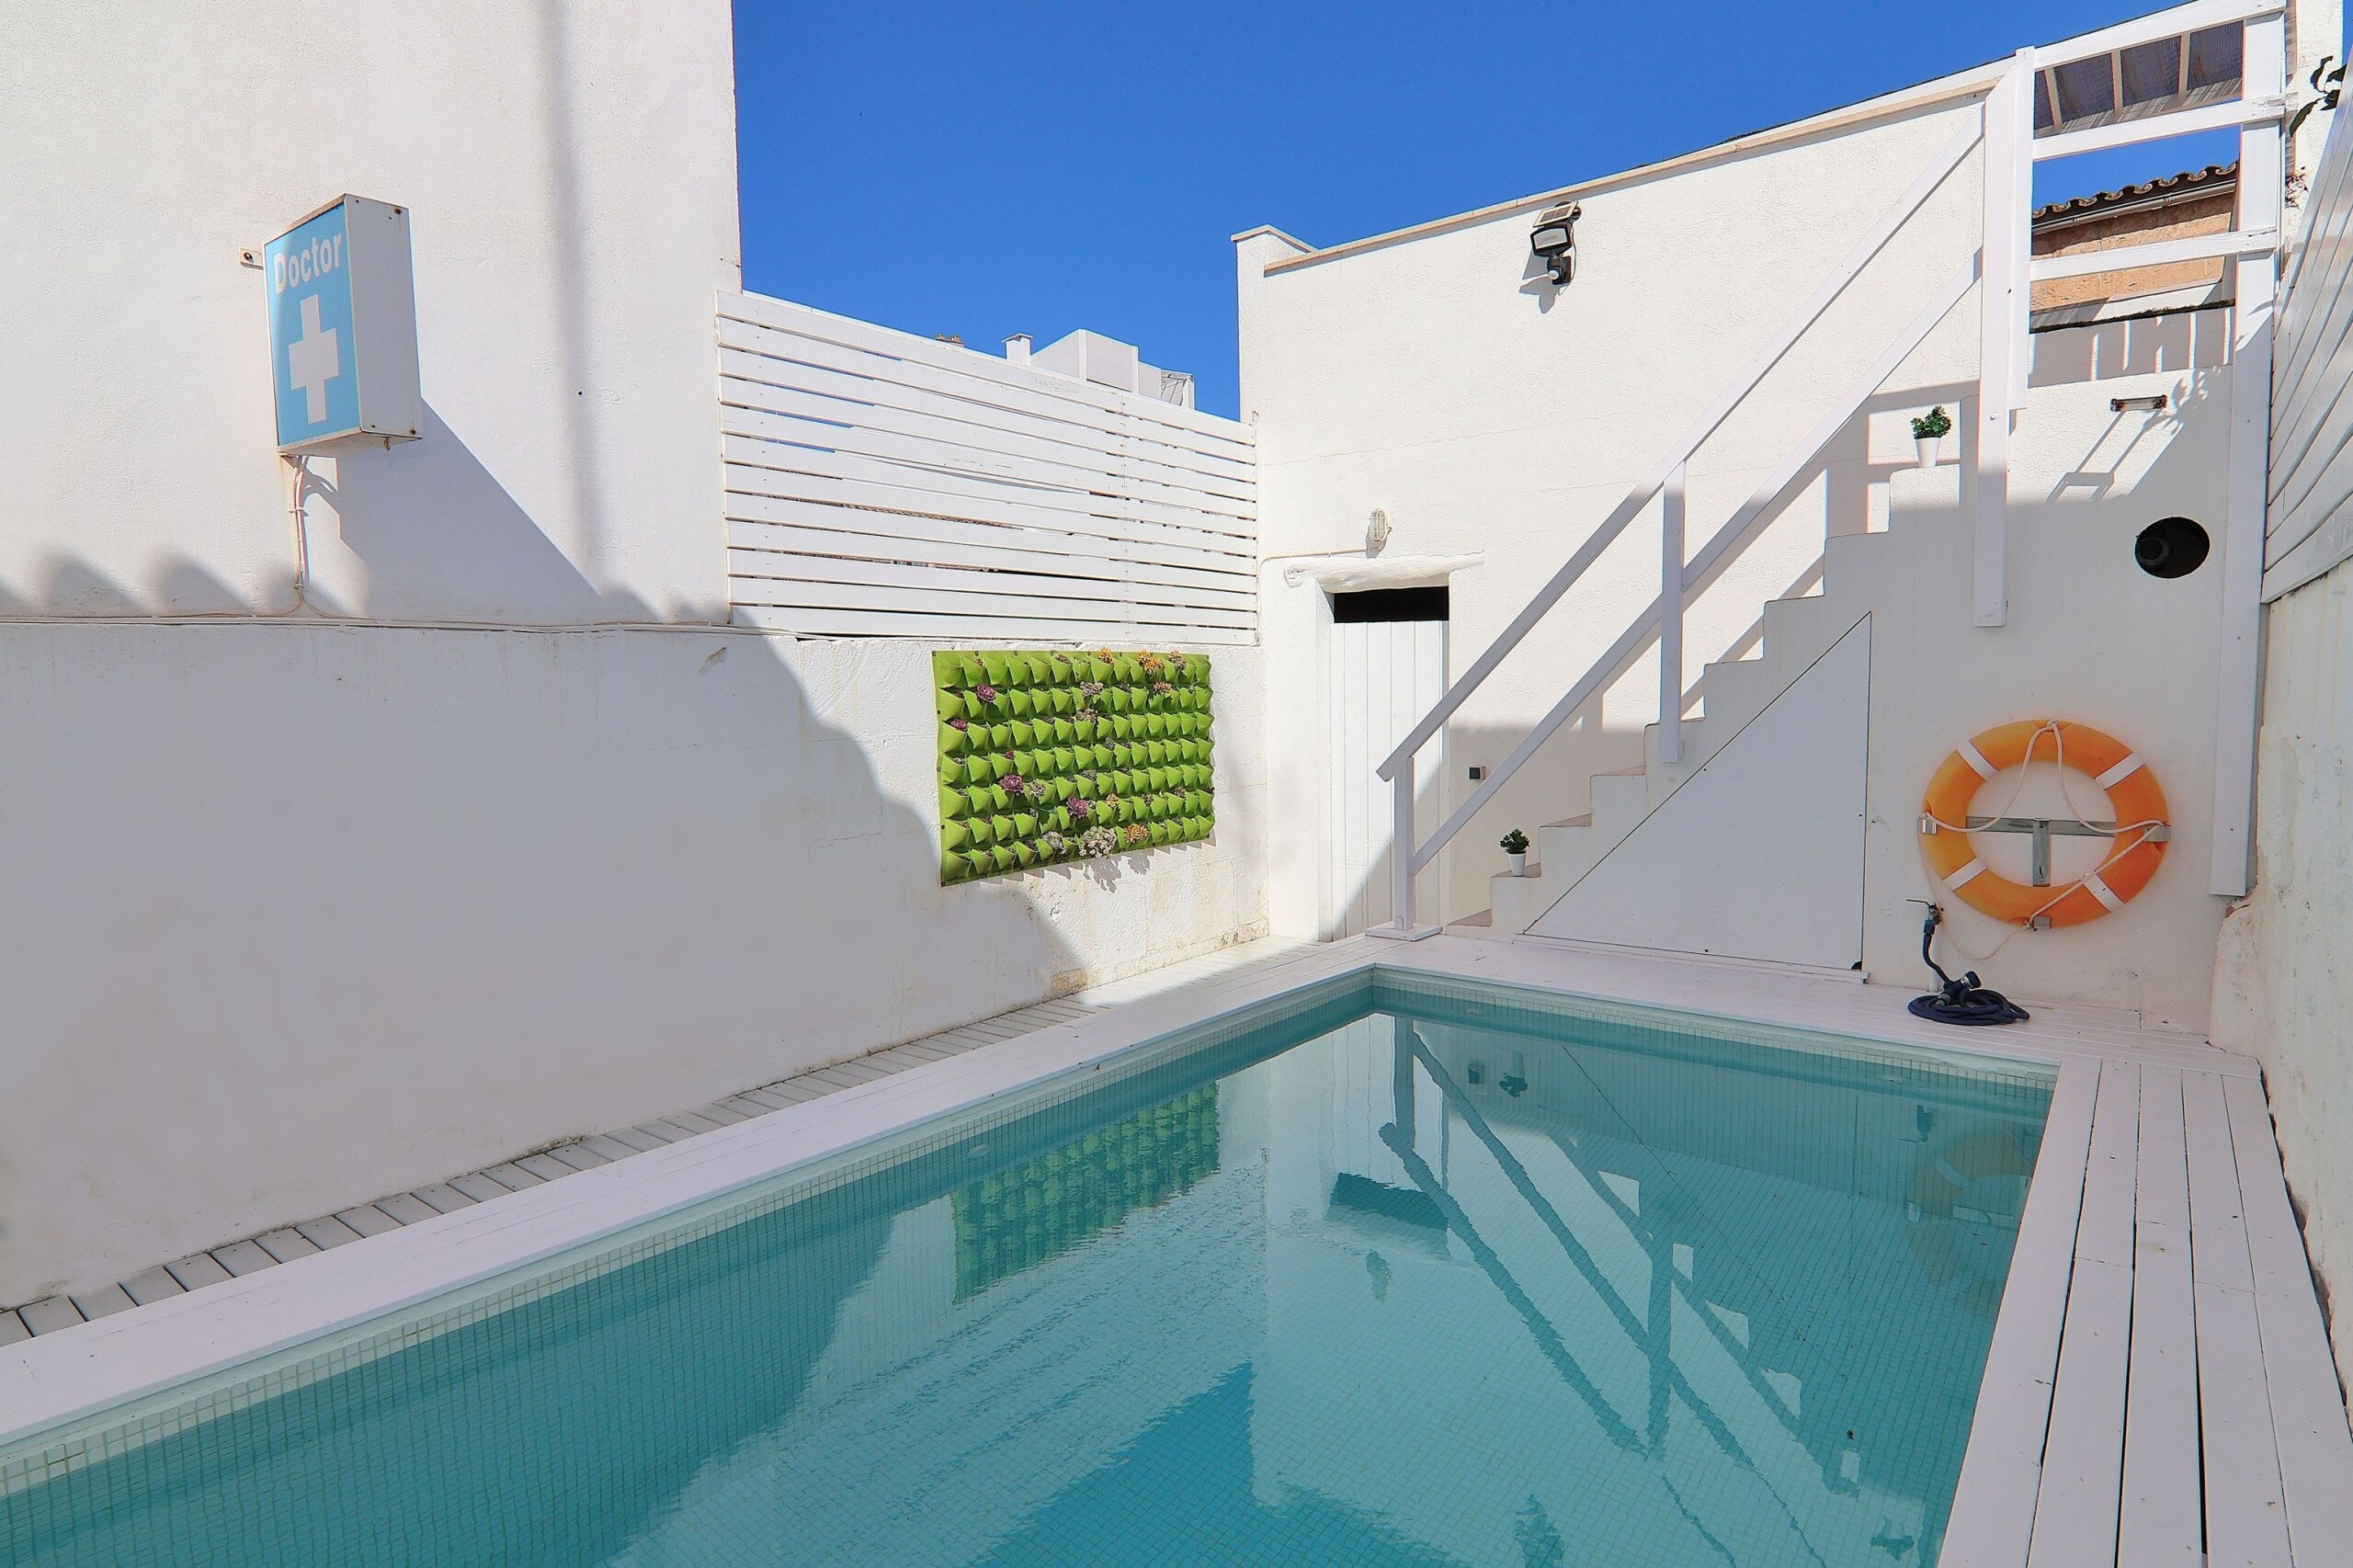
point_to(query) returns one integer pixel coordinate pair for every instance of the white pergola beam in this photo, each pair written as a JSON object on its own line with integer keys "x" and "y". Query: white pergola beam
{"x": 2158, "y": 127}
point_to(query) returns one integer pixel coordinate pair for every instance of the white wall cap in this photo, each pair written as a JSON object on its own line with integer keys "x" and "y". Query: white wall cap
{"x": 1354, "y": 573}
{"x": 1943, "y": 90}
{"x": 1269, "y": 230}
{"x": 1091, "y": 356}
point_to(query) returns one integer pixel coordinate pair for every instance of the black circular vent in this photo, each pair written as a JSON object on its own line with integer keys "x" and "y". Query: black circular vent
{"x": 2170, "y": 547}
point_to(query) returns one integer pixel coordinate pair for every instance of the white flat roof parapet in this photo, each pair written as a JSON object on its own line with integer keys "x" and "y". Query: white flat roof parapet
{"x": 1953, "y": 88}
{"x": 1268, "y": 229}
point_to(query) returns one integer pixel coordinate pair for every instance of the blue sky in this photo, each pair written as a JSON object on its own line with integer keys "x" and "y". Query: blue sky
{"x": 987, "y": 169}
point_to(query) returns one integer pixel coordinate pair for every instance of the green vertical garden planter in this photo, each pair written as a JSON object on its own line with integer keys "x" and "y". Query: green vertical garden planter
{"x": 1053, "y": 755}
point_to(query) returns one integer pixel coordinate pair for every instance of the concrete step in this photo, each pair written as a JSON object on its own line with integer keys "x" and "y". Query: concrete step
{"x": 1738, "y": 691}
{"x": 1514, "y": 904}
{"x": 1798, "y": 631}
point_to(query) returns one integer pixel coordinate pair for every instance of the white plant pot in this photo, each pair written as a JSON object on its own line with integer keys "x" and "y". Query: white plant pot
{"x": 1928, "y": 445}
{"x": 1518, "y": 863}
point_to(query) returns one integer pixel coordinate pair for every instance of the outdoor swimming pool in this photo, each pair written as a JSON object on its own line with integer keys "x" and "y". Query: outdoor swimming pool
{"x": 1398, "y": 1273}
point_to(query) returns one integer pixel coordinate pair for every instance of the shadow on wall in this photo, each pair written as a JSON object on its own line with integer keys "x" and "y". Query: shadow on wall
{"x": 1606, "y": 734}
{"x": 2184, "y": 342}
{"x": 2127, "y": 453}
{"x": 301, "y": 915}
{"x": 423, "y": 530}
{"x": 429, "y": 525}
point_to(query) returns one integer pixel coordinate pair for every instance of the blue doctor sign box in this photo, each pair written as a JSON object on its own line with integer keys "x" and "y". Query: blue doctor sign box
{"x": 343, "y": 329}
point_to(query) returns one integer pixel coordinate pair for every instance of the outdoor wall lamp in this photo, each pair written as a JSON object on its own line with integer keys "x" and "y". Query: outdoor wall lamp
{"x": 1555, "y": 243}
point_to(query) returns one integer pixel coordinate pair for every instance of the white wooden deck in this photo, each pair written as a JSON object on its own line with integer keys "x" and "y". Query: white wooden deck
{"x": 267, "y": 1250}
{"x": 2160, "y": 1389}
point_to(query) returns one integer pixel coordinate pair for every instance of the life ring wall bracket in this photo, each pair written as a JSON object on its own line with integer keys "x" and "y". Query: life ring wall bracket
{"x": 2139, "y": 830}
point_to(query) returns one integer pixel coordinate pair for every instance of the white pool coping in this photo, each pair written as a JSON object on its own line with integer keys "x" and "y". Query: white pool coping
{"x": 59, "y": 1385}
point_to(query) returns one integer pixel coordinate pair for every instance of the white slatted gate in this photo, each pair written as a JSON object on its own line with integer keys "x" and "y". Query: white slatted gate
{"x": 885, "y": 484}
{"x": 1379, "y": 678}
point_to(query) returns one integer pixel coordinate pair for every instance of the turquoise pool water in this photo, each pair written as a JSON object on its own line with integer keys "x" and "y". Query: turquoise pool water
{"x": 1436, "y": 1275}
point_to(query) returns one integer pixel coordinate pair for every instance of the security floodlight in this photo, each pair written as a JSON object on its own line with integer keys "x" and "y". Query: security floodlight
{"x": 1555, "y": 242}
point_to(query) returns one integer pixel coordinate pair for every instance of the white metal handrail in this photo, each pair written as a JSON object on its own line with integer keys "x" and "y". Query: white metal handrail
{"x": 1702, "y": 428}
{"x": 1408, "y": 855}
{"x": 1676, "y": 588}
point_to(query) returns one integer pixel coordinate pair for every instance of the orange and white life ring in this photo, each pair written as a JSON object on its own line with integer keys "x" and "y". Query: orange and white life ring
{"x": 2141, "y": 829}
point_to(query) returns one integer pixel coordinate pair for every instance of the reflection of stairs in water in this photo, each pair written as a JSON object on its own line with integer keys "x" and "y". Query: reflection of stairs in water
{"x": 1596, "y": 1267}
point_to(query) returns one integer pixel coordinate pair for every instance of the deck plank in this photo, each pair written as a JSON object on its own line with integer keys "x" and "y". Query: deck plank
{"x": 154, "y": 1284}
{"x": 242, "y": 1258}
{"x": 104, "y": 1301}
{"x": 2315, "y": 1447}
{"x": 2247, "y": 1517}
{"x": 1993, "y": 1517}
{"x": 329, "y": 1232}
{"x": 2164, "y": 1518}
{"x": 195, "y": 1273}
{"x": 512, "y": 1178}
{"x": 50, "y": 1314}
{"x": 2075, "y": 1511}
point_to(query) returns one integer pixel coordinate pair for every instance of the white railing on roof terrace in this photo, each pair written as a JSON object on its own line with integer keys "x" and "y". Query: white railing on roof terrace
{"x": 2024, "y": 119}
{"x": 885, "y": 484}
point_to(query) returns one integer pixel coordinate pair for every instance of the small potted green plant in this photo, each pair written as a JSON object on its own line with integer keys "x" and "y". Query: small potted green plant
{"x": 1515, "y": 844}
{"x": 1928, "y": 431}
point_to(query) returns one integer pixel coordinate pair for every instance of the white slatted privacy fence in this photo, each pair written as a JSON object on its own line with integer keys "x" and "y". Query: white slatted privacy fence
{"x": 882, "y": 485}
{"x": 2311, "y": 497}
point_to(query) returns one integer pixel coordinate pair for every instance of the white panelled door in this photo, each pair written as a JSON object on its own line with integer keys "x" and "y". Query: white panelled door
{"x": 1378, "y": 677}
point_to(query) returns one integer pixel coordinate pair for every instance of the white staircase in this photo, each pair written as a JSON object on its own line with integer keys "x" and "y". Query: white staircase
{"x": 1798, "y": 632}
{"x": 1795, "y": 663}
{"x": 1734, "y": 690}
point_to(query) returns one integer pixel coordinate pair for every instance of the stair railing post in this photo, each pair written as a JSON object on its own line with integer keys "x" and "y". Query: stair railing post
{"x": 2001, "y": 327}
{"x": 1400, "y": 850}
{"x": 1670, "y": 618}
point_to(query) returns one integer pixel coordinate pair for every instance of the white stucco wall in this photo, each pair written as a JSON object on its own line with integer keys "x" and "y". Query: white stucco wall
{"x": 1488, "y": 413}
{"x": 306, "y": 910}
{"x": 572, "y": 175}
{"x": 1491, "y": 415}
{"x": 2283, "y": 990}
{"x": 2090, "y": 637}
{"x": 298, "y": 915}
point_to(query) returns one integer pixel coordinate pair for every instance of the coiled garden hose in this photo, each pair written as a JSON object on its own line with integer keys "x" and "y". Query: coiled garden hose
{"x": 1961, "y": 1001}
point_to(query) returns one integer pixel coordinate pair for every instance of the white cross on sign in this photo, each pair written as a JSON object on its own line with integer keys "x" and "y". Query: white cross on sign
{"x": 312, "y": 360}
